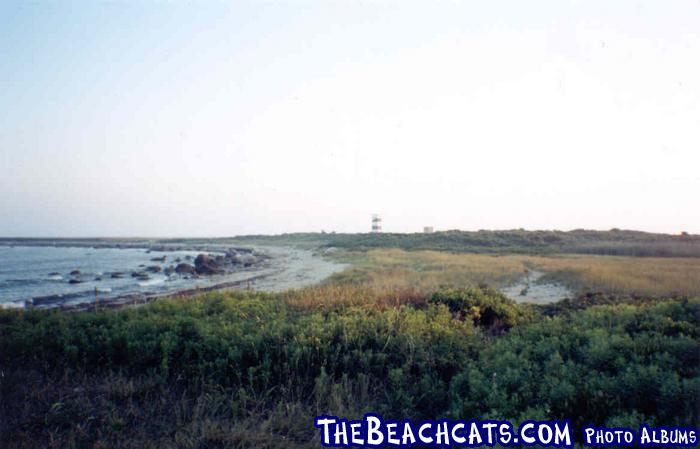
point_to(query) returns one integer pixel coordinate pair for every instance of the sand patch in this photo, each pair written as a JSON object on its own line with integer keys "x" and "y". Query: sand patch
{"x": 529, "y": 289}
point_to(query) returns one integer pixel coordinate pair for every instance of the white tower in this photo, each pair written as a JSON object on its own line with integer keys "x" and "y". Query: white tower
{"x": 376, "y": 223}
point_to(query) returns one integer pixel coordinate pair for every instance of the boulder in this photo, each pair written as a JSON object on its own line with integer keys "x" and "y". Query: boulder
{"x": 117, "y": 275}
{"x": 184, "y": 268}
{"x": 158, "y": 259}
{"x": 154, "y": 269}
{"x": 46, "y": 300}
{"x": 248, "y": 260}
{"x": 206, "y": 264}
{"x": 75, "y": 272}
{"x": 169, "y": 270}
{"x": 75, "y": 281}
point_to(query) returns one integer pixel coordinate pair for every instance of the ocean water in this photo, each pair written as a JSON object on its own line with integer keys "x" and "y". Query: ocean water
{"x": 25, "y": 273}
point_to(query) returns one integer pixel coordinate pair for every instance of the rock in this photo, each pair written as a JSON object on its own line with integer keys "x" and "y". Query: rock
{"x": 46, "y": 300}
{"x": 248, "y": 260}
{"x": 169, "y": 270}
{"x": 135, "y": 274}
{"x": 206, "y": 264}
{"x": 54, "y": 273}
{"x": 143, "y": 277}
{"x": 117, "y": 275}
{"x": 75, "y": 272}
{"x": 98, "y": 278}
{"x": 184, "y": 268}
{"x": 168, "y": 247}
{"x": 158, "y": 259}
{"x": 75, "y": 281}
{"x": 154, "y": 269}
{"x": 178, "y": 260}
{"x": 188, "y": 257}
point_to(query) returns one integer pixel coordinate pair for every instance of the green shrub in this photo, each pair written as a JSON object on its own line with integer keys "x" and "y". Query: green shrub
{"x": 484, "y": 306}
{"x": 251, "y": 370}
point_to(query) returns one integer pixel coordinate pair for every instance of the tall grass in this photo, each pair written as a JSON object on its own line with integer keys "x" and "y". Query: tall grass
{"x": 612, "y": 274}
{"x": 427, "y": 270}
{"x": 424, "y": 271}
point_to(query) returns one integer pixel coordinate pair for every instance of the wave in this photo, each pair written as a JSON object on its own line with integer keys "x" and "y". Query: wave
{"x": 151, "y": 282}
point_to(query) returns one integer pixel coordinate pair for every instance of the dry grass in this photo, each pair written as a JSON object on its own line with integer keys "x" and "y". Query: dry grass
{"x": 335, "y": 296}
{"x": 394, "y": 270}
{"x": 653, "y": 276}
{"x": 421, "y": 270}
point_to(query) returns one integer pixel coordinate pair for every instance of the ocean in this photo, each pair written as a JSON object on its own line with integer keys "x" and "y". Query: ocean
{"x": 43, "y": 274}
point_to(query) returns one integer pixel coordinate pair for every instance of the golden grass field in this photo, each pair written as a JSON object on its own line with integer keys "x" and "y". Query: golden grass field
{"x": 395, "y": 269}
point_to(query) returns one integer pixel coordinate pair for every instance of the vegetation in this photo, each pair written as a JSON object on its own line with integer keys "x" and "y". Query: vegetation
{"x": 633, "y": 275}
{"x": 410, "y": 330}
{"x": 425, "y": 271}
{"x": 615, "y": 242}
{"x": 252, "y": 369}
{"x": 611, "y": 243}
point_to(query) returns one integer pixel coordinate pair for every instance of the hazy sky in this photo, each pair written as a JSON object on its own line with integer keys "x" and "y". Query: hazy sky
{"x": 213, "y": 119}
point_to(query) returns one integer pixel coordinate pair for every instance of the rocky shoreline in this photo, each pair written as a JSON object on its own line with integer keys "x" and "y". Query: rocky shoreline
{"x": 142, "y": 299}
{"x": 216, "y": 267}
{"x": 203, "y": 265}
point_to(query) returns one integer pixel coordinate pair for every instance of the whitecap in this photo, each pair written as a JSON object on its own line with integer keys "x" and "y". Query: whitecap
{"x": 151, "y": 282}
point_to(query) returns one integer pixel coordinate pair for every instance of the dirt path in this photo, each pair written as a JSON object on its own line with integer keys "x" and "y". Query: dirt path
{"x": 528, "y": 289}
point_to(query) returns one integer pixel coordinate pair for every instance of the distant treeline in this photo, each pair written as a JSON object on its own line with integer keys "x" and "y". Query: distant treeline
{"x": 613, "y": 242}
{"x": 518, "y": 241}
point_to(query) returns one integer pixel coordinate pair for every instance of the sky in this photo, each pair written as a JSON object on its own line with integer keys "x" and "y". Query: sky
{"x": 227, "y": 118}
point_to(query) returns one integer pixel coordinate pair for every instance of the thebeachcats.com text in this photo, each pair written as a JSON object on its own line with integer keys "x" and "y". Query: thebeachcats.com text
{"x": 373, "y": 431}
